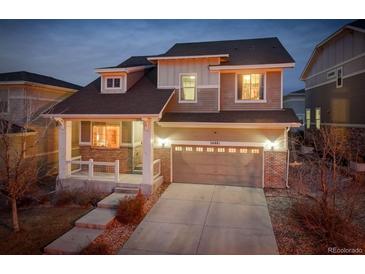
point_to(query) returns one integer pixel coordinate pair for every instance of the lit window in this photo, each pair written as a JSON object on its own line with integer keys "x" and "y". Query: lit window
{"x": 112, "y": 82}
{"x": 308, "y": 118}
{"x": 232, "y": 150}
{"x": 221, "y": 149}
{"x": 250, "y": 87}
{"x": 199, "y": 149}
{"x": 188, "y": 149}
{"x": 178, "y": 148}
{"x": 255, "y": 151}
{"x": 318, "y": 118}
{"x": 188, "y": 88}
{"x": 4, "y": 101}
{"x": 106, "y": 135}
{"x": 210, "y": 149}
{"x": 339, "y": 80}
{"x": 243, "y": 150}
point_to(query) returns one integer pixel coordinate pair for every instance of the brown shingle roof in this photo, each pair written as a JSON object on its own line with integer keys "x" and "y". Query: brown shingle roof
{"x": 241, "y": 52}
{"x": 248, "y": 116}
{"x": 36, "y": 78}
{"x": 142, "y": 98}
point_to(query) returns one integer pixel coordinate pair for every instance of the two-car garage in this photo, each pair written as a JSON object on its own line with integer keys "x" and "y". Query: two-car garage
{"x": 221, "y": 165}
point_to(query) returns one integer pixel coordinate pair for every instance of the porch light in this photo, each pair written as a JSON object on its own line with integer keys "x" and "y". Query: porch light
{"x": 163, "y": 142}
{"x": 270, "y": 145}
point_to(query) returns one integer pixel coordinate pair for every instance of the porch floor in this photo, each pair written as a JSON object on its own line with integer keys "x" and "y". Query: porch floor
{"x": 105, "y": 176}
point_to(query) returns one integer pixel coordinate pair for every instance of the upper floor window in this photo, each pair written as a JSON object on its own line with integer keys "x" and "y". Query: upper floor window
{"x": 308, "y": 118}
{"x": 318, "y": 118}
{"x": 339, "y": 80}
{"x": 4, "y": 101}
{"x": 188, "y": 88}
{"x": 112, "y": 82}
{"x": 250, "y": 87}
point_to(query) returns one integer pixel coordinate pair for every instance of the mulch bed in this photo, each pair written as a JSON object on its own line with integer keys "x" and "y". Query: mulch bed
{"x": 117, "y": 234}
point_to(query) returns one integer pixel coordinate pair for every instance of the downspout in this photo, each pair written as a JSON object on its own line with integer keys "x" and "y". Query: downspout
{"x": 287, "y": 162}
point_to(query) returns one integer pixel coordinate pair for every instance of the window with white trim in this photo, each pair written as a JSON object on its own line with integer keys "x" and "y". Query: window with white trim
{"x": 4, "y": 101}
{"x": 250, "y": 87}
{"x": 318, "y": 118}
{"x": 339, "y": 80}
{"x": 188, "y": 83}
{"x": 307, "y": 118}
{"x": 112, "y": 82}
{"x": 105, "y": 134}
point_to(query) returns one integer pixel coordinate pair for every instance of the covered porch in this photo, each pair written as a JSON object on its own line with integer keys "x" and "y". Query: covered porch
{"x": 112, "y": 153}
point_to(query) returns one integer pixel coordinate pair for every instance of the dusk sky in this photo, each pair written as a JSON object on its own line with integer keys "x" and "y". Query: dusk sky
{"x": 71, "y": 49}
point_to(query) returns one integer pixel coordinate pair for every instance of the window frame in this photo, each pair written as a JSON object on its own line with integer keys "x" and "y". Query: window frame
{"x": 113, "y": 78}
{"x": 7, "y": 104}
{"x": 317, "y": 120}
{"x": 307, "y": 118}
{"x": 337, "y": 78}
{"x": 91, "y": 144}
{"x": 196, "y": 88}
{"x": 236, "y": 100}
{"x": 106, "y": 125}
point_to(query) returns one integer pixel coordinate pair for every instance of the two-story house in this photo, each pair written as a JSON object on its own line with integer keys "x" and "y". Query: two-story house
{"x": 23, "y": 97}
{"x": 206, "y": 113}
{"x": 335, "y": 81}
{"x": 296, "y": 101}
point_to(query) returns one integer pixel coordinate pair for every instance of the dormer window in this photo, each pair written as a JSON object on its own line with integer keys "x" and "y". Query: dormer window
{"x": 250, "y": 87}
{"x": 112, "y": 83}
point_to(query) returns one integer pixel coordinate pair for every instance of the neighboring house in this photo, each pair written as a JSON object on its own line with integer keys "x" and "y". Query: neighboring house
{"x": 296, "y": 101}
{"x": 335, "y": 84}
{"x": 206, "y": 113}
{"x": 23, "y": 97}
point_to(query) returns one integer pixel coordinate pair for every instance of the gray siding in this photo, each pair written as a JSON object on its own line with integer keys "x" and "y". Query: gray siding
{"x": 339, "y": 105}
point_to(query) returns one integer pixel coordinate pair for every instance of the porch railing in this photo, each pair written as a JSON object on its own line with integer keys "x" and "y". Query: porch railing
{"x": 156, "y": 168}
{"x": 90, "y": 167}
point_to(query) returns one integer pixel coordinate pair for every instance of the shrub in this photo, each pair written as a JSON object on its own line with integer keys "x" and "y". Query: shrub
{"x": 329, "y": 226}
{"x": 77, "y": 197}
{"x": 130, "y": 210}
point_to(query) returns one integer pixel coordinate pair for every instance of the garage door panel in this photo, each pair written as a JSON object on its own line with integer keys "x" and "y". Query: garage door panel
{"x": 224, "y": 168}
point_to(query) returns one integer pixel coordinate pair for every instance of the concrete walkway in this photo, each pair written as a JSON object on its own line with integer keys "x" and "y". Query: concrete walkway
{"x": 205, "y": 219}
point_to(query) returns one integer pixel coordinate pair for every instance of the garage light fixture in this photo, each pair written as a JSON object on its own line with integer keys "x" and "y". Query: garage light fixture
{"x": 270, "y": 145}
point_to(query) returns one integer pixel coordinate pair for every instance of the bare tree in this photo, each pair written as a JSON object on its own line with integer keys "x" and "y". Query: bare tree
{"x": 330, "y": 187}
{"x": 20, "y": 166}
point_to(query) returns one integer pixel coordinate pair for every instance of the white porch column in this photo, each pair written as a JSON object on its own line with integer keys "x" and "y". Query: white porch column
{"x": 148, "y": 132}
{"x": 64, "y": 148}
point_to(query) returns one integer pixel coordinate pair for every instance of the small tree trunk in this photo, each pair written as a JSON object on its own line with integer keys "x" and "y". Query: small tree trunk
{"x": 14, "y": 210}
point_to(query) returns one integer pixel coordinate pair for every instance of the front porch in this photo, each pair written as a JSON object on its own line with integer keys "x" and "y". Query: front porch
{"x": 104, "y": 167}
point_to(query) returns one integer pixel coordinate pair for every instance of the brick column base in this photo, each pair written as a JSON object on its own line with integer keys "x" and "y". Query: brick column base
{"x": 275, "y": 169}
{"x": 165, "y": 155}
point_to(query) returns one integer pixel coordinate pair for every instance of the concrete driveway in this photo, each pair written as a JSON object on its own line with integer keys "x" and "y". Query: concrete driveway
{"x": 205, "y": 219}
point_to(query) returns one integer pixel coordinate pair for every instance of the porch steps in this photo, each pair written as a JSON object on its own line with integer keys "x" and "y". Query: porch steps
{"x": 112, "y": 201}
{"x": 72, "y": 242}
{"x": 98, "y": 218}
{"x": 138, "y": 169}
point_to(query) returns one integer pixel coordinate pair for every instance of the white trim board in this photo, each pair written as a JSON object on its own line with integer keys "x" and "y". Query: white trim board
{"x": 257, "y": 66}
{"x": 186, "y": 57}
{"x": 226, "y": 125}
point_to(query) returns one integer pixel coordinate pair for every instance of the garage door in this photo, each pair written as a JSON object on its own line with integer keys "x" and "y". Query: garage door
{"x": 238, "y": 166}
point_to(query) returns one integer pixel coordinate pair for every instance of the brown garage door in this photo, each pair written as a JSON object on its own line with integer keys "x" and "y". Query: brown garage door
{"x": 239, "y": 166}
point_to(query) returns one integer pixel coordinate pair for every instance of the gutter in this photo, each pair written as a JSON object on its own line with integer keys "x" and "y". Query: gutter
{"x": 287, "y": 162}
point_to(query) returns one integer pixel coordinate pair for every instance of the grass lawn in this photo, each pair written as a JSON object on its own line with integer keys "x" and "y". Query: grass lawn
{"x": 39, "y": 226}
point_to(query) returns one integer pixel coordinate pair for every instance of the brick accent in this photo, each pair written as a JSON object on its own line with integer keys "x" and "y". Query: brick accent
{"x": 123, "y": 154}
{"x": 275, "y": 169}
{"x": 165, "y": 155}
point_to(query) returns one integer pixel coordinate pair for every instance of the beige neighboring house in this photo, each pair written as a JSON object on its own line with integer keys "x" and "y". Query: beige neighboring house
{"x": 334, "y": 80}
{"x": 23, "y": 97}
{"x": 204, "y": 113}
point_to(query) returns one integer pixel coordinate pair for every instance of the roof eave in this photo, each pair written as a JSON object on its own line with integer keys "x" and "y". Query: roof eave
{"x": 126, "y": 70}
{"x": 254, "y": 66}
{"x": 228, "y": 125}
{"x": 156, "y": 58}
{"x": 100, "y": 116}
